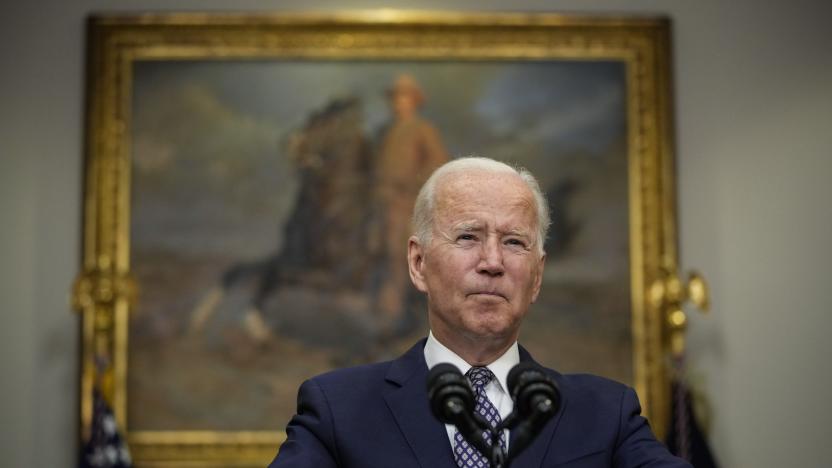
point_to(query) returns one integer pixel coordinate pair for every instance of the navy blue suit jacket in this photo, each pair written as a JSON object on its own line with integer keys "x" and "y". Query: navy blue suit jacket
{"x": 378, "y": 416}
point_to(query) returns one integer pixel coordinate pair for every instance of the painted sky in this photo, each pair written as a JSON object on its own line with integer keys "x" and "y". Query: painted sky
{"x": 208, "y": 136}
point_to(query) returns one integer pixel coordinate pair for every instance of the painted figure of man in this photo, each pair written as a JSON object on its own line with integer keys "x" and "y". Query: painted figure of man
{"x": 409, "y": 151}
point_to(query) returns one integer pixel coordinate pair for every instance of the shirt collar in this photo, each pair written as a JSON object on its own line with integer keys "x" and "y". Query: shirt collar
{"x": 436, "y": 353}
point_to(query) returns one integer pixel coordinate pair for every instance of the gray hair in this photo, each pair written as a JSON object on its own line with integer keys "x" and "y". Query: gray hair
{"x": 423, "y": 211}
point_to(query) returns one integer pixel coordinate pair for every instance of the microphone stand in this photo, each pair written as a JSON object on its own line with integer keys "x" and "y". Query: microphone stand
{"x": 497, "y": 457}
{"x": 489, "y": 445}
{"x": 526, "y": 432}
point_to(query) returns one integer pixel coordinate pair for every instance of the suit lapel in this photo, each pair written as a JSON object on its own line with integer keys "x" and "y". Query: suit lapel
{"x": 534, "y": 454}
{"x": 407, "y": 399}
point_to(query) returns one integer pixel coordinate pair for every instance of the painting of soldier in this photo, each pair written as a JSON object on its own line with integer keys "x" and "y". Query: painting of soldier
{"x": 352, "y": 199}
{"x": 270, "y": 212}
{"x": 410, "y": 149}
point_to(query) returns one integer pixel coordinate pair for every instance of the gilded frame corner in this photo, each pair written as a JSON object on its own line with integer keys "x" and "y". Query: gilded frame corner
{"x": 104, "y": 289}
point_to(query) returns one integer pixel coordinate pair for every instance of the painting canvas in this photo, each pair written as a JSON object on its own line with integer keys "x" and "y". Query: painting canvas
{"x": 270, "y": 203}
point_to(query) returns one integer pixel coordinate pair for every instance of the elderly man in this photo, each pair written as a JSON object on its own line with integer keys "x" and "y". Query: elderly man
{"x": 477, "y": 253}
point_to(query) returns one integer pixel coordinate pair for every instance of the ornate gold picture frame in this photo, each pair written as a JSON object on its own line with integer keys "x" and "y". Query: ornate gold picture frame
{"x": 129, "y": 56}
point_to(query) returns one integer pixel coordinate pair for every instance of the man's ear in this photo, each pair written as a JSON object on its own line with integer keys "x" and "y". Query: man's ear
{"x": 416, "y": 263}
{"x": 538, "y": 278}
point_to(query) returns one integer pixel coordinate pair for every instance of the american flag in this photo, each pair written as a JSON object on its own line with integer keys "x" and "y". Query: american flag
{"x": 105, "y": 447}
{"x": 685, "y": 438}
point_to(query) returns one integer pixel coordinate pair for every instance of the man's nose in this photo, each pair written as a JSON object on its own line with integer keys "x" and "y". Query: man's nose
{"x": 491, "y": 258}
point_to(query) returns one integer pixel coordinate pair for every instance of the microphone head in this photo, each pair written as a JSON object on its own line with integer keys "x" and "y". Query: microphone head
{"x": 442, "y": 372}
{"x": 532, "y": 389}
{"x": 449, "y": 393}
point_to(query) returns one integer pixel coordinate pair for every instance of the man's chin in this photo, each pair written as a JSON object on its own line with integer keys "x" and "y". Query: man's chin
{"x": 490, "y": 329}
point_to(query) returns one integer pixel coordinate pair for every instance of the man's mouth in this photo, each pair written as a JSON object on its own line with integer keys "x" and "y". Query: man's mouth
{"x": 493, "y": 294}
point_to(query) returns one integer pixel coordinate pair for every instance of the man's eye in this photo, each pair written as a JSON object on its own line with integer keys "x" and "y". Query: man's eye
{"x": 516, "y": 242}
{"x": 466, "y": 237}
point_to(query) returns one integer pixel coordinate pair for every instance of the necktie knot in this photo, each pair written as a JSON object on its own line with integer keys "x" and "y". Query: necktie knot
{"x": 479, "y": 377}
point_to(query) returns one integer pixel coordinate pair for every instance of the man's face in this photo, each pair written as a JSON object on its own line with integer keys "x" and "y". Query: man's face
{"x": 482, "y": 268}
{"x": 404, "y": 103}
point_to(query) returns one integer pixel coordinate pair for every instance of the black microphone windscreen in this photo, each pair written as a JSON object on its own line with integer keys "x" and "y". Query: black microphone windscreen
{"x": 527, "y": 382}
{"x": 449, "y": 393}
{"x": 451, "y": 400}
{"x": 521, "y": 369}
{"x": 441, "y": 371}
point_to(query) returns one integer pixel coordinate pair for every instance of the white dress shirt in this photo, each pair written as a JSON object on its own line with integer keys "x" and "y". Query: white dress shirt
{"x": 496, "y": 390}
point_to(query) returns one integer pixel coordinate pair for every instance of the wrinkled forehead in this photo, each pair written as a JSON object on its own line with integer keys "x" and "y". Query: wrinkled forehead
{"x": 457, "y": 193}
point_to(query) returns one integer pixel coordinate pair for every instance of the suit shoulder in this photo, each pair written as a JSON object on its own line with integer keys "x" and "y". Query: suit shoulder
{"x": 352, "y": 376}
{"x": 591, "y": 382}
{"x": 592, "y": 388}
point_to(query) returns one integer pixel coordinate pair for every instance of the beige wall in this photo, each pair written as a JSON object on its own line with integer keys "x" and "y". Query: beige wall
{"x": 754, "y": 118}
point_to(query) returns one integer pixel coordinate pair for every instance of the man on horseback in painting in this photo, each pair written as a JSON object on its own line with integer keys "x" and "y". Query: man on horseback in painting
{"x": 342, "y": 242}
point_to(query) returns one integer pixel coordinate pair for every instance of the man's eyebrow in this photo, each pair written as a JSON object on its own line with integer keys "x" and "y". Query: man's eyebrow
{"x": 468, "y": 226}
{"x": 517, "y": 232}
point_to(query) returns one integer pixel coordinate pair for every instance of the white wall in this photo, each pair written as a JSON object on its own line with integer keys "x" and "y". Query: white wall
{"x": 754, "y": 118}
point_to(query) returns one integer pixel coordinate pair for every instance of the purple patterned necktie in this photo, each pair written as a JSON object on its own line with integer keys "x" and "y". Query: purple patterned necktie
{"x": 465, "y": 454}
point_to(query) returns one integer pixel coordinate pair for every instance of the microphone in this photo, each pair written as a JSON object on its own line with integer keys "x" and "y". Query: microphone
{"x": 452, "y": 402}
{"x": 536, "y": 400}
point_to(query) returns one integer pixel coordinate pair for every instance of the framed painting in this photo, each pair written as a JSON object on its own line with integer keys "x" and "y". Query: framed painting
{"x": 249, "y": 181}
